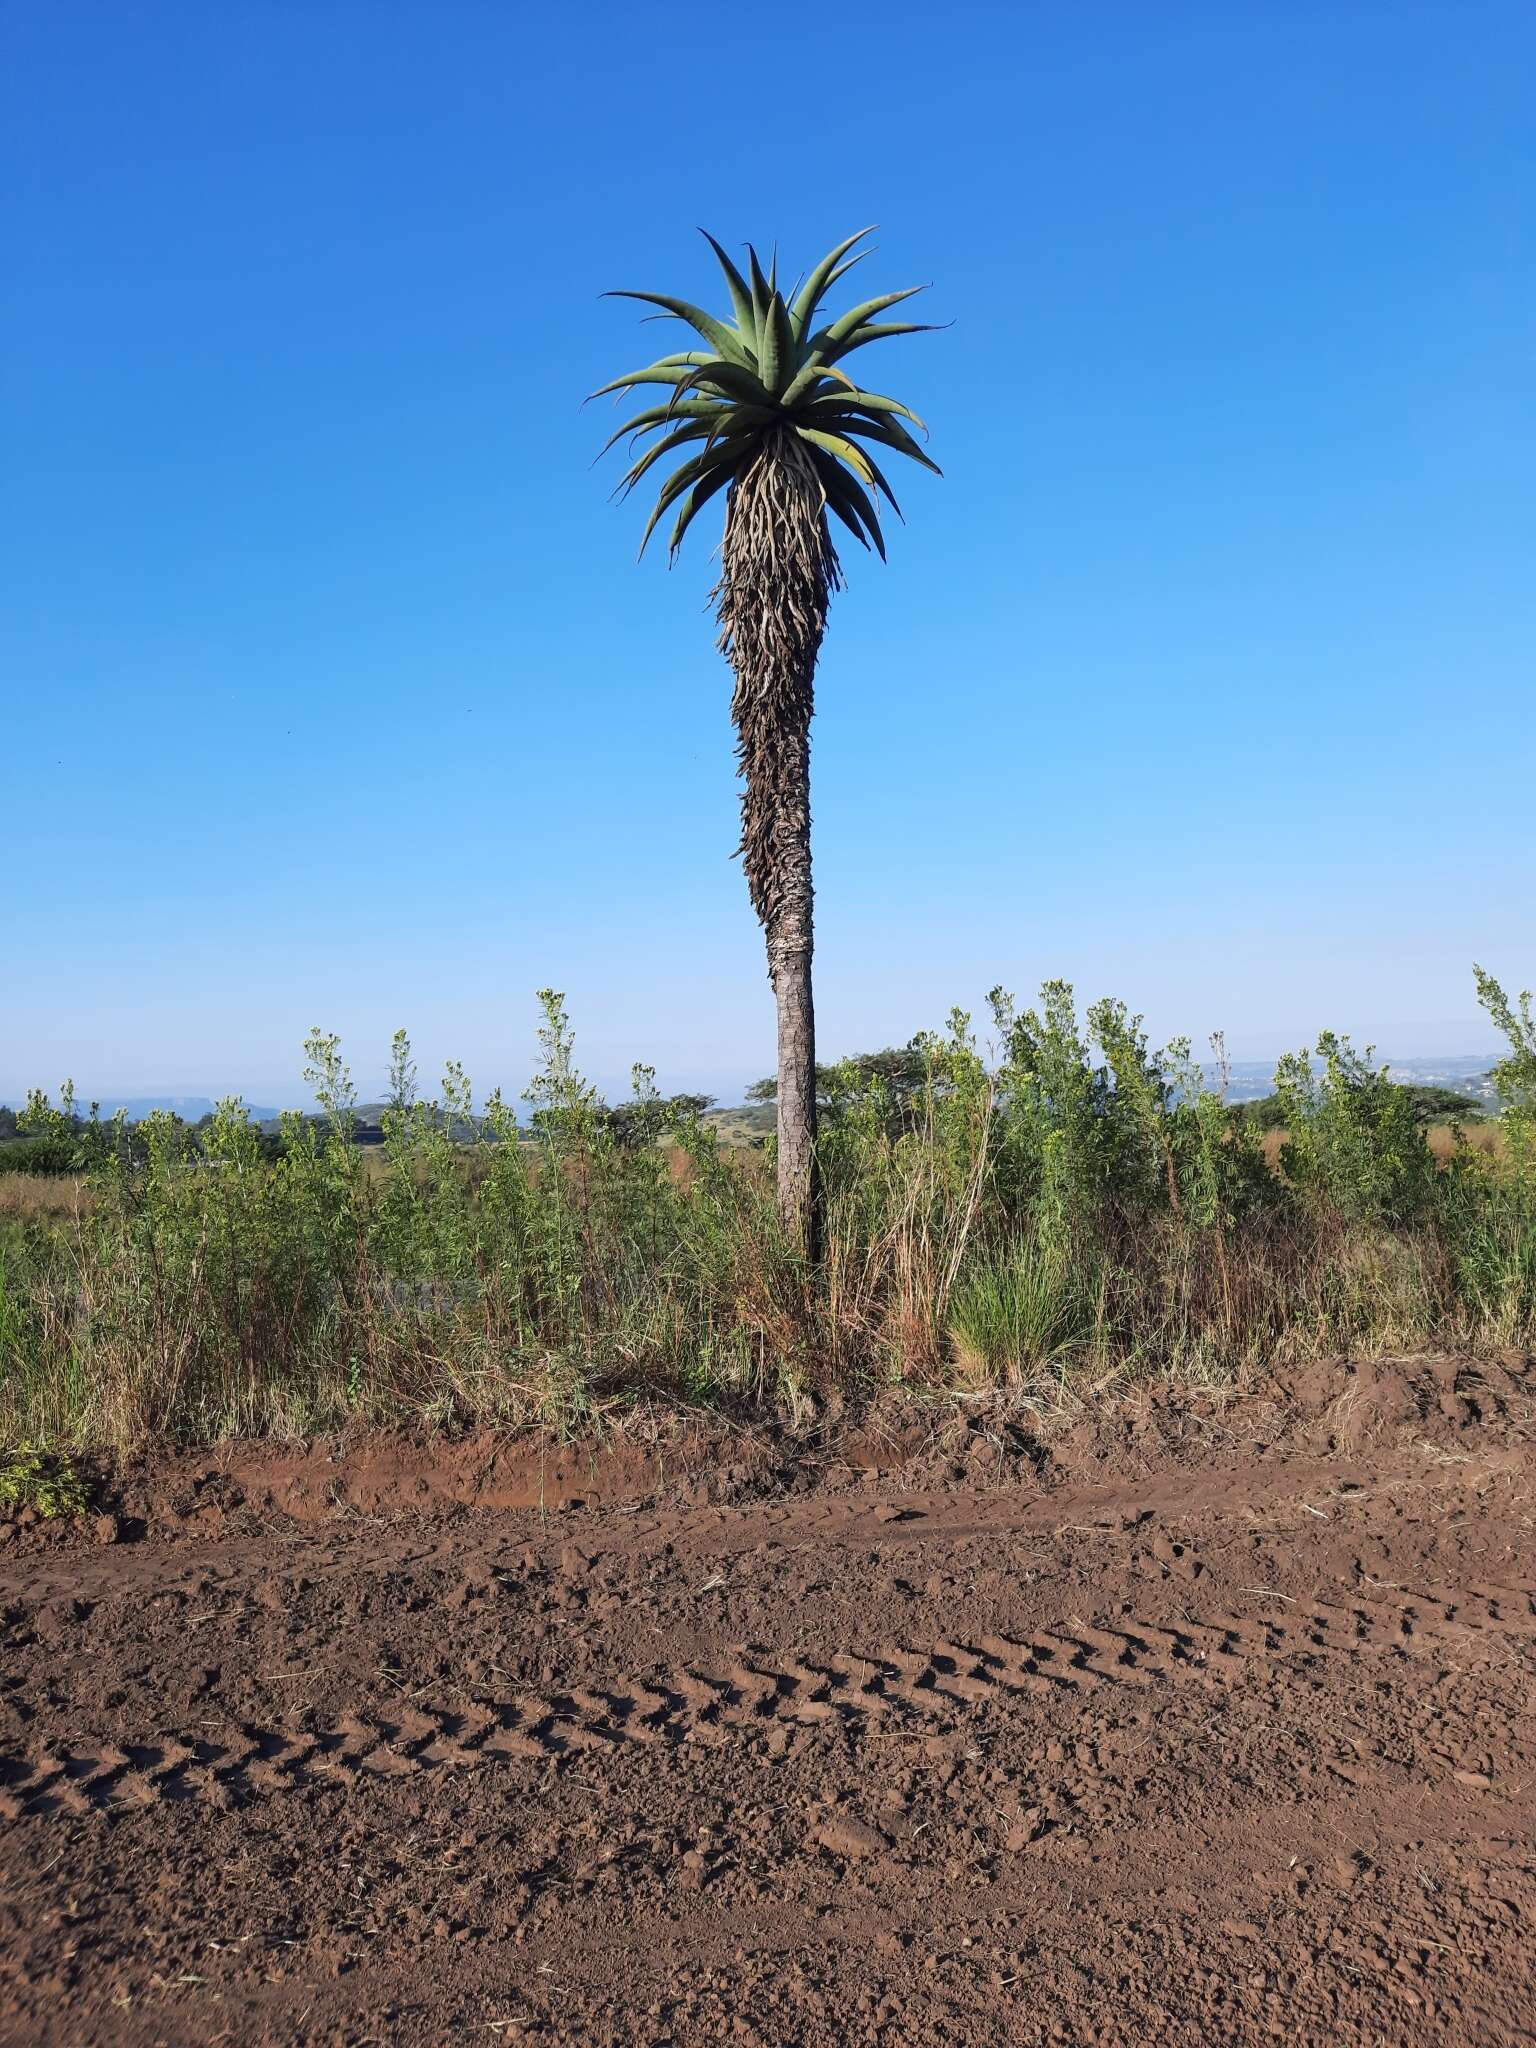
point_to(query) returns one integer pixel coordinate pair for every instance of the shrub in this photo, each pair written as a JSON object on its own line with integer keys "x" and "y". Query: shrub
{"x": 1353, "y": 1140}
{"x": 1085, "y": 1201}
{"x": 41, "y": 1155}
{"x": 1514, "y": 1076}
{"x": 1430, "y": 1105}
{"x": 48, "y": 1482}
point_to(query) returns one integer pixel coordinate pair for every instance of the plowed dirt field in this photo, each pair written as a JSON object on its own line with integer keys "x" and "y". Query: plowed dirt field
{"x": 1208, "y": 1722}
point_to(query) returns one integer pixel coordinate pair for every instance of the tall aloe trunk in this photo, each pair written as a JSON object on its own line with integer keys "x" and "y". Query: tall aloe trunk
{"x": 779, "y": 569}
{"x": 766, "y": 415}
{"x": 790, "y": 940}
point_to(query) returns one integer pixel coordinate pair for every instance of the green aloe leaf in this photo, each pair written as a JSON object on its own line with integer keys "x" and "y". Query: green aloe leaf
{"x": 726, "y": 454}
{"x": 658, "y": 415}
{"x": 696, "y": 430}
{"x": 778, "y": 352}
{"x": 845, "y": 495}
{"x": 743, "y": 387}
{"x": 845, "y": 324}
{"x": 855, "y": 400}
{"x": 885, "y": 330}
{"x": 667, "y": 370}
{"x": 845, "y": 450}
{"x": 724, "y": 340}
{"x": 820, "y": 282}
{"x": 741, "y": 296}
{"x": 894, "y": 435}
{"x": 807, "y": 376}
{"x": 883, "y": 483}
{"x": 801, "y": 382}
{"x": 843, "y": 269}
{"x": 696, "y": 498}
{"x": 759, "y": 373}
{"x": 761, "y": 295}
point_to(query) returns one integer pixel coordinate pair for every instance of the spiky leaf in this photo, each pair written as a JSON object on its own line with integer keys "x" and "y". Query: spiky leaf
{"x": 740, "y": 291}
{"x": 762, "y": 374}
{"x": 723, "y": 340}
{"x": 820, "y": 282}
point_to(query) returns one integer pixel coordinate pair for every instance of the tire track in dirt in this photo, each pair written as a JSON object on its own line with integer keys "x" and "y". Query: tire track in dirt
{"x": 759, "y": 1697}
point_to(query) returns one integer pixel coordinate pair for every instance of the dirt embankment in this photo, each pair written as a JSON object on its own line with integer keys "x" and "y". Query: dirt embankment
{"x": 1200, "y": 1720}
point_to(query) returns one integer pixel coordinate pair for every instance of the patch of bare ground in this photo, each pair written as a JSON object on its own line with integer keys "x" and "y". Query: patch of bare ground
{"x": 1181, "y": 1718}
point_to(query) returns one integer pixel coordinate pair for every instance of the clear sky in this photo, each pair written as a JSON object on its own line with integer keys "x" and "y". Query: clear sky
{"x": 333, "y": 693}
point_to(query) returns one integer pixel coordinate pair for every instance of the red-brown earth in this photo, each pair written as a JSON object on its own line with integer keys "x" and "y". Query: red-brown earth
{"x": 1206, "y": 1720}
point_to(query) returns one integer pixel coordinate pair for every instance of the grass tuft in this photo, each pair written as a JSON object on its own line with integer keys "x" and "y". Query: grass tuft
{"x": 48, "y": 1482}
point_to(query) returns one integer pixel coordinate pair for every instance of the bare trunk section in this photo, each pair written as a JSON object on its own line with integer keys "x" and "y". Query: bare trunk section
{"x": 778, "y": 571}
{"x": 791, "y": 939}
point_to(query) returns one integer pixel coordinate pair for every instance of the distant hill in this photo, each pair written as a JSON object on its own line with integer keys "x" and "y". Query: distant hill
{"x": 1458, "y": 1084}
{"x": 190, "y": 1108}
{"x": 748, "y": 1124}
{"x": 1464, "y": 1074}
{"x": 1431, "y": 1105}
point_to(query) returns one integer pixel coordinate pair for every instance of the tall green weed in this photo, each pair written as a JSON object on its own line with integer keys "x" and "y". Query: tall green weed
{"x": 1066, "y": 1200}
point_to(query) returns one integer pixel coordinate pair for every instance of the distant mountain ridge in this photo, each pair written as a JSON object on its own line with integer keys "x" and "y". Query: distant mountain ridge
{"x": 1248, "y": 1081}
{"x": 1465, "y": 1073}
{"x": 190, "y": 1108}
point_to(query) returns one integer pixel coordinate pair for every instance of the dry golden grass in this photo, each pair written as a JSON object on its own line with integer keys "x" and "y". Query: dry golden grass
{"x": 1488, "y": 1138}
{"x": 43, "y": 1197}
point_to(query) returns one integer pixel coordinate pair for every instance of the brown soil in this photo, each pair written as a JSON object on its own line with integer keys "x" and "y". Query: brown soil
{"x": 1201, "y": 1721}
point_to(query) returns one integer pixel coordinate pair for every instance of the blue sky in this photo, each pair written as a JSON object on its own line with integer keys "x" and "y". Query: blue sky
{"x": 333, "y": 692}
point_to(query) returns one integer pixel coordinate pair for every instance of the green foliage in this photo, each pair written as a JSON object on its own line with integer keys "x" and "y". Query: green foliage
{"x": 1073, "y": 1199}
{"x": 1514, "y": 1076}
{"x": 48, "y": 1482}
{"x": 41, "y": 1155}
{"x": 896, "y": 1077}
{"x": 53, "y": 1139}
{"x": 1353, "y": 1138}
{"x": 1079, "y": 1136}
{"x": 1017, "y": 1311}
{"x": 1430, "y": 1105}
{"x": 649, "y": 1117}
{"x": 1220, "y": 1176}
{"x": 771, "y": 369}
{"x": 1433, "y": 1105}
{"x": 1491, "y": 1207}
{"x": 1488, "y": 1227}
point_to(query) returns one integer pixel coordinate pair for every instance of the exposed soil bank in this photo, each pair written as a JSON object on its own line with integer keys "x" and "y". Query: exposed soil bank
{"x": 1197, "y": 1720}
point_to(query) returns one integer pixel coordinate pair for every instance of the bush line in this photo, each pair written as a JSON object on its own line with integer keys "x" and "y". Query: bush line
{"x": 1079, "y": 1207}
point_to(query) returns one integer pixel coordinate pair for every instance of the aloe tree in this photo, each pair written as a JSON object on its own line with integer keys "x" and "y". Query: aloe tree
{"x": 765, "y": 412}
